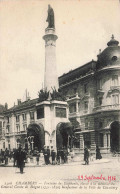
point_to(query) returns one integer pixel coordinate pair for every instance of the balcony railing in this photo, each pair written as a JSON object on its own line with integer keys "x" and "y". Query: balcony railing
{"x": 73, "y": 97}
{"x": 16, "y": 133}
{"x": 20, "y": 132}
{"x": 108, "y": 107}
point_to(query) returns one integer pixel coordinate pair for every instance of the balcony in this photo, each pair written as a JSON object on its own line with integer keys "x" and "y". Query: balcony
{"x": 107, "y": 108}
{"x": 8, "y": 134}
{"x": 74, "y": 98}
{"x": 20, "y": 133}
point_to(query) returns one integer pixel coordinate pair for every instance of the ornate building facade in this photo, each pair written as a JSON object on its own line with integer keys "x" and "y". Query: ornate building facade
{"x": 93, "y": 96}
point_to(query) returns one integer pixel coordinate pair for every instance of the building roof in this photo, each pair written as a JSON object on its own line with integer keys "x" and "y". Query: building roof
{"x": 23, "y": 105}
{"x": 110, "y": 55}
{"x": 78, "y": 72}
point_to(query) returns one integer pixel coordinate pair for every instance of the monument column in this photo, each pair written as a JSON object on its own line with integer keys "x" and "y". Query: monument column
{"x": 50, "y": 77}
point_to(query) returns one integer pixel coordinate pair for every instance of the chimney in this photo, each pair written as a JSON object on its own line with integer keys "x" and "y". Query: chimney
{"x": 6, "y": 106}
{"x": 19, "y": 101}
{"x": 28, "y": 97}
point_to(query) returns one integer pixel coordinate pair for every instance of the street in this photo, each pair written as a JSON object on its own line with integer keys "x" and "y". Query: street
{"x": 63, "y": 178}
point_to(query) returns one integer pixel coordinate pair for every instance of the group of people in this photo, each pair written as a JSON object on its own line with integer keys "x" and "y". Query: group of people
{"x": 87, "y": 154}
{"x": 18, "y": 156}
{"x": 53, "y": 157}
{"x": 5, "y": 156}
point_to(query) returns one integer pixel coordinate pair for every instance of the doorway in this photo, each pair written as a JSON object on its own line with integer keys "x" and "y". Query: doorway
{"x": 115, "y": 136}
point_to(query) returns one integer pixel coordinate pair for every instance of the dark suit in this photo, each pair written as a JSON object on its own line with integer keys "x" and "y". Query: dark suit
{"x": 20, "y": 157}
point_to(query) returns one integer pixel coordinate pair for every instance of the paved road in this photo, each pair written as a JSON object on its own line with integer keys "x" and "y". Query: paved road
{"x": 62, "y": 179}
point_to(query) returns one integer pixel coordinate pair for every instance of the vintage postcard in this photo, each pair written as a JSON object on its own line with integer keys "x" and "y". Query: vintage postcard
{"x": 60, "y": 96}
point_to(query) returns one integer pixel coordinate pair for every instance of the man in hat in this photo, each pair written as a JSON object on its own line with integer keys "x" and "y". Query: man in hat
{"x": 53, "y": 156}
{"x": 20, "y": 157}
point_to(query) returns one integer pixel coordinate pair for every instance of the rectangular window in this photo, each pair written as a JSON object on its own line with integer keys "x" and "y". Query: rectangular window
{"x": 8, "y": 120}
{"x": 4, "y": 124}
{"x": 18, "y": 128}
{"x": 115, "y": 99}
{"x": 60, "y": 112}
{"x": 17, "y": 118}
{"x": 24, "y": 127}
{"x": 86, "y": 88}
{"x": 40, "y": 113}
{"x": 32, "y": 115}
{"x": 24, "y": 116}
{"x": 115, "y": 80}
{"x": 101, "y": 140}
{"x": 86, "y": 105}
{"x": 86, "y": 123}
{"x": 100, "y": 124}
{"x": 72, "y": 107}
{"x": 7, "y": 129}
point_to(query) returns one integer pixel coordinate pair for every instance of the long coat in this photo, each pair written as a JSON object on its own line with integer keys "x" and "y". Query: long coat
{"x": 20, "y": 157}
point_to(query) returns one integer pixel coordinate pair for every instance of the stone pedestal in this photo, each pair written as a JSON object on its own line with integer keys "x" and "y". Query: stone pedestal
{"x": 55, "y": 112}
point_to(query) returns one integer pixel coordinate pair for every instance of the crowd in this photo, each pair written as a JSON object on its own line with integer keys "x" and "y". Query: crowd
{"x": 51, "y": 156}
{"x": 59, "y": 157}
{"x": 5, "y": 156}
{"x": 20, "y": 156}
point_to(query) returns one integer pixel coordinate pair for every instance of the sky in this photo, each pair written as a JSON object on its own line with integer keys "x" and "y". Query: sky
{"x": 82, "y": 26}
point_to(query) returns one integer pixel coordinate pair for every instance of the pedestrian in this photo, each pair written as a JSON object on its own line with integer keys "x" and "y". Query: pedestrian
{"x": 45, "y": 155}
{"x": 53, "y": 156}
{"x": 65, "y": 155}
{"x": 86, "y": 156}
{"x": 14, "y": 157}
{"x": 37, "y": 157}
{"x": 48, "y": 155}
{"x": 6, "y": 155}
{"x": 98, "y": 154}
{"x": 62, "y": 156}
{"x": 21, "y": 157}
{"x": 72, "y": 154}
{"x": 2, "y": 156}
{"x": 58, "y": 156}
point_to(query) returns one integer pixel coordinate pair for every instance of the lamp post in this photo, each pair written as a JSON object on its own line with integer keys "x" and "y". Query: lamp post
{"x": 31, "y": 142}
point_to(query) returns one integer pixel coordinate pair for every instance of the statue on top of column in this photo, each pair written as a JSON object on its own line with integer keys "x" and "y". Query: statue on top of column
{"x": 50, "y": 18}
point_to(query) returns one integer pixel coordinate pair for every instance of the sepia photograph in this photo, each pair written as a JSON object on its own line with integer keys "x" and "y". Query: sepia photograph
{"x": 60, "y": 96}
